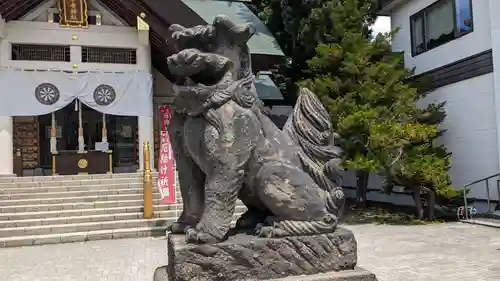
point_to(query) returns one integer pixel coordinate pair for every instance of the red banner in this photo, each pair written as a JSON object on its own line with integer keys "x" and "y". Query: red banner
{"x": 166, "y": 161}
{"x": 165, "y": 116}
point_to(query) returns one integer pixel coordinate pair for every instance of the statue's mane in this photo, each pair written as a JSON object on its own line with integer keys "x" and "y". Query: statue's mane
{"x": 223, "y": 32}
{"x": 214, "y": 96}
{"x": 199, "y": 36}
{"x": 182, "y": 38}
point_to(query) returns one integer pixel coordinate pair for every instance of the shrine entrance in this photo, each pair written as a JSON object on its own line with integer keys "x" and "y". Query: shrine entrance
{"x": 122, "y": 136}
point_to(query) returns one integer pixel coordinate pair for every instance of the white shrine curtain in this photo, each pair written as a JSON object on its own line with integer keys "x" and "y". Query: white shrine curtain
{"x": 30, "y": 93}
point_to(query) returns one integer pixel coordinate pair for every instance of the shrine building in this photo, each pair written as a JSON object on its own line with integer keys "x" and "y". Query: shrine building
{"x": 84, "y": 79}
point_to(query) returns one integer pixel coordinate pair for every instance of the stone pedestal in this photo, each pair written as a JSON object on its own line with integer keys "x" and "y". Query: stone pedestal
{"x": 325, "y": 257}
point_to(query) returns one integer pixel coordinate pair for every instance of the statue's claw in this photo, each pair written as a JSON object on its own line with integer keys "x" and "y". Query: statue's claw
{"x": 178, "y": 227}
{"x": 191, "y": 235}
{"x": 258, "y": 229}
{"x": 269, "y": 231}
{"x": 250, "y": 220}
{"x": 263, "y": 231}
{"x": 199, "y": 237}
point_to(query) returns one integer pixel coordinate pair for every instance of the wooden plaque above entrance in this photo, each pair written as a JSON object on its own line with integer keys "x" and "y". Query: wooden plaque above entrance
{"x": 73, "y": 13}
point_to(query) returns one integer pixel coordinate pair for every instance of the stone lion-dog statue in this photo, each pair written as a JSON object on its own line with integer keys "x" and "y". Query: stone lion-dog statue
{"x": 227, "y": 148}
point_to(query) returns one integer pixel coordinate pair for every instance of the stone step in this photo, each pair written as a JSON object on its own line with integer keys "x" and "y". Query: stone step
{"x": 78, "y": 199}
{"x": 95, "y": 218}
{"x": 18, "y": 241}
{"x": 136, "y": 208}
{"x": 490, "y": 222}
{"x": 79, "y": 193}
{"x": 81, "y": 227}
{"x": 82, "y": 219}
{"x": 73, "y": 177}
{"x": 74, "y": 206}
{"x": 123, "y": 195}
{"x": 84, "y": 182}
{"x": 77, "y": 187}
{"x": 83, "y": 212}
{"x": 84, "y": 236}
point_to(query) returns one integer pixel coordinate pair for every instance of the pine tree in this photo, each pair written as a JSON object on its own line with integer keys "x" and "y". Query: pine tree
{"x": 373, "y": 108}
{"x": 300, "y": 25}
{"x": 330, "y": 49}
{"x": 424, "y": 166}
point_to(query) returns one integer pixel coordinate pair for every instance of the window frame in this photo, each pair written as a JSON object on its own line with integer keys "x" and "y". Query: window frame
{"x": 86, "y": 54}
{"x": 65, "y": 48}
{"x": 423, "y": 15}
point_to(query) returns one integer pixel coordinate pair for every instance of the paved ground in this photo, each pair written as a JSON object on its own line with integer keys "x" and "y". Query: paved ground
{"x": 447, "y": 252}
{"x": 108, "y": 260}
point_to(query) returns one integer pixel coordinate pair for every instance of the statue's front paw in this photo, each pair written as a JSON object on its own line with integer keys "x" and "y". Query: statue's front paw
{"x": 178, "y": 228}
{"x": 199, "y": 237}
{"x": 245, "y": 223}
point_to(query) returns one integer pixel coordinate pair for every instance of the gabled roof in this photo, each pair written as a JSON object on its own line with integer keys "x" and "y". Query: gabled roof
{"x": 160, "y": 14}
{"x": 262, "y": 43}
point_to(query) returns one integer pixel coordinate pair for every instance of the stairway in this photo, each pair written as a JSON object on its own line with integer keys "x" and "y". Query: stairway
{"x": 61, "y": 209}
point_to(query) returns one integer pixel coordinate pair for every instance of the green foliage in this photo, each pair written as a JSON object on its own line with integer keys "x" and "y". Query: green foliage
{"x": 425, "y": 165}
{"x": 300, "y": 25}
{"x": 384, "y": 213}
{"x": 329, "y": 49}
{"x": 373, "y": 108}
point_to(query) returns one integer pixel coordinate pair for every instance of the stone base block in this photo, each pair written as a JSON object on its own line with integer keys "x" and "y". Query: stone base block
{"x": 244, "y": 257}
{"x": 358, "y": 274}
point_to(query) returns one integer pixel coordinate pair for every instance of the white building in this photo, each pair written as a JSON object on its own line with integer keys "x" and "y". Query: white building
{"x": 86, "y": 77}
{"x": 456, "y": 43}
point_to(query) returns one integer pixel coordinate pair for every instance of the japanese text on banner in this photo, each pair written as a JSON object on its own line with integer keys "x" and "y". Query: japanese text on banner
{"x": 166, "y": 161}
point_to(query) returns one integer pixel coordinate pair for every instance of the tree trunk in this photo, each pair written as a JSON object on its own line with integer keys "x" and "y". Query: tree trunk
{"x": 418, "y": 203}
{"x": 432, "y": 203}
{"x": 361, "y": 188}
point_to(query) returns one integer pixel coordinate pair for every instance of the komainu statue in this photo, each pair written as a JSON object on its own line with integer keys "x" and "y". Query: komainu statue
{"x": 227, "y": 148}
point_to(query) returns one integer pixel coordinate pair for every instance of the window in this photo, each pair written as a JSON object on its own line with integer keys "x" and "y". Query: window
{"x": 464, "y": 16}
{"x": 109, "y": 55}
{"x": 31, "y": 52}
{"x": 440, "y": 23}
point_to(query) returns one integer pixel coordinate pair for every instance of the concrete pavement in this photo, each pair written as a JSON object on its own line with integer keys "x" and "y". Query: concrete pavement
{"x": 443, "y": 252}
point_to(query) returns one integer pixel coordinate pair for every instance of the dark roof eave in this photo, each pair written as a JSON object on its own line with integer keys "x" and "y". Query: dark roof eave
{"x": 386, "y": 7}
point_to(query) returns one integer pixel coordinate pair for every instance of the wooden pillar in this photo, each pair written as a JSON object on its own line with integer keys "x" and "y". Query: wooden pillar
{"x": 18, "y": 163}
{"x": 53, "y": 142}
{"x": 104, "y": 129}
{"x": 53, "y": 134}
{"x": 81, "y": 141}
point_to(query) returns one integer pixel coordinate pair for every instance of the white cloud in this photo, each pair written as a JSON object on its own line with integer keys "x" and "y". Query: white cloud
{"x": 382, "y": 24}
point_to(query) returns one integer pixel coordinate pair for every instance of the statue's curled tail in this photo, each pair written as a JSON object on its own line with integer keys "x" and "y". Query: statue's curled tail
{"x": 310, "y": 128}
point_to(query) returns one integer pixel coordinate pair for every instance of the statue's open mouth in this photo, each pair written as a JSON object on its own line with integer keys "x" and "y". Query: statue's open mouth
{"x": 193, "y": 67}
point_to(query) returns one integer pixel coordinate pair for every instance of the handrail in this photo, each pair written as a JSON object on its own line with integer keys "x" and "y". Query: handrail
{"x": 483, "y": 179}
{"x": 466, "y": 209}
